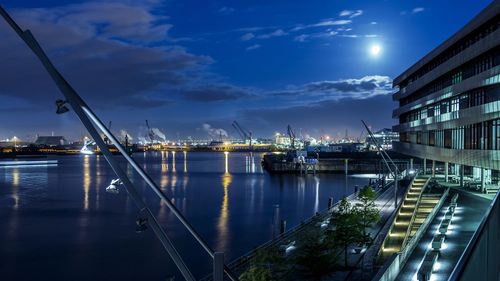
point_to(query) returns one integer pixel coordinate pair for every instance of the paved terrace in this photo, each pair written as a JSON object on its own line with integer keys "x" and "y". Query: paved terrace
{"x": 468, "y": 215}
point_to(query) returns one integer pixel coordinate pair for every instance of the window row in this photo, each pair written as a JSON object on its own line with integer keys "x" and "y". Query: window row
{"x": 470, "y": 69}
{"x": 469, "y": 40}
{"x": 468, "y": 99}
{"x": 484, "y": 136}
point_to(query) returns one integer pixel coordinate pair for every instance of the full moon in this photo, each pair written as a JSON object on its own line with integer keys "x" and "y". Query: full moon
{"x": 375, "y": 50}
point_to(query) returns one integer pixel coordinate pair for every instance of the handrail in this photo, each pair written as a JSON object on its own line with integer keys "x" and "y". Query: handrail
{"x": 418, "y": 235}
{"x": 397, "y": 212}
{"x": 322, "y": 214}
{"x": 466, "y": 255}
{"x": 87, "y": 117}
{"x": 413, "y": 216}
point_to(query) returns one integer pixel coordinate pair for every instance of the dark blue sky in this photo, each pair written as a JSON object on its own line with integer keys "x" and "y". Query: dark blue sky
{"x": 191, "y": 67}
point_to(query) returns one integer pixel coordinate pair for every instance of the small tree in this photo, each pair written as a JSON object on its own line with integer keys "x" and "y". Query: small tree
{"x": 366, "y": 211}
{"x": 266, "y": 264}
{"x": 315, "y": 258}
{"x": 346, "y": 227}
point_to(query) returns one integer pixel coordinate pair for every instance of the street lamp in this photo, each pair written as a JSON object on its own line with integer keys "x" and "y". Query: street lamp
{"x": 15, "y": 142}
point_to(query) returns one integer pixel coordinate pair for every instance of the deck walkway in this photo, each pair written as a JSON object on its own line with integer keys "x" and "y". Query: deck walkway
{"x": 462, "y": 228}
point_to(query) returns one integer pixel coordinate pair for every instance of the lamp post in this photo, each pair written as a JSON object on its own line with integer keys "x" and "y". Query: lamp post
{"x": 15, "y": 142}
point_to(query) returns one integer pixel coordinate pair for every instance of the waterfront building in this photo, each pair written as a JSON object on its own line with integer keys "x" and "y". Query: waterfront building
{"x": 384, "y": 138}
{"x": 449, "y": 104}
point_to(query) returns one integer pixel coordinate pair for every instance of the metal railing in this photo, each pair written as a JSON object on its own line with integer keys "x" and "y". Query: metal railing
{"x": 414, "y": 215}
{"x": 480, "y": 260}
{"x": 397, "y": 213}
{"x": 91, "y": 121}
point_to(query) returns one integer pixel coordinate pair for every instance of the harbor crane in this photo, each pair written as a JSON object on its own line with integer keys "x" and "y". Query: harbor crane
{"x": 245, "y": 134}
{"x": 291, "y": 135}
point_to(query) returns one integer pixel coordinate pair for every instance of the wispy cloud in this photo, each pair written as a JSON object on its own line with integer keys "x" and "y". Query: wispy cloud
{"x": 276, "y": 33}
{"x": 226, "y": 10}
{"x": 351, "y": 13}
{"x": 247, "y": 36}
{"x": 417, "y": 10}
{"x": 323, "y": 23}
{"x": 253, "y": 47}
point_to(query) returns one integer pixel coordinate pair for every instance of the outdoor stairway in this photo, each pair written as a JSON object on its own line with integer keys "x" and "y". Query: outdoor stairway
{"x": 425, "y": 207}
{"x": 395, "y": 239}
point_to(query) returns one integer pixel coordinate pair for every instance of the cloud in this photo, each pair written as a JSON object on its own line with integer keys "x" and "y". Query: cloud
{"x": 214, "y": 133}
{"x": 112, "y": 53}
{"x": 351, "y": 13}
{"x": 301, "y": 38}
{"x": 215, "y": 92}
{"x": 373, "y": 22}
{"x": 247, "y": 36}
{"x": 417, "y": 10}
{"x": 276, "y": 33}
{"x": 159, "y": 134}
{"x": 361, "y": 88}
{"x": 336, "y": 115}
{"x": 226, "y": 10}
{"x": 253, "y": 47}
{"x": 123, "y": 134}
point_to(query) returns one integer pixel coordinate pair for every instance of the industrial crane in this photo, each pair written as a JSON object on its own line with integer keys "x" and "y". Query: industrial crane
{"x": 245, "y": 135}
{"x": 291, "y": 135}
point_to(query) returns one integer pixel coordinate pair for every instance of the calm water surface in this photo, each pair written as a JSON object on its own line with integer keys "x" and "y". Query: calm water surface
{"x": 58, "y": 223}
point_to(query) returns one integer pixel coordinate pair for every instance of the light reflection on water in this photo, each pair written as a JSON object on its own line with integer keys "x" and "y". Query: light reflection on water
{"x": 227, "y": 197}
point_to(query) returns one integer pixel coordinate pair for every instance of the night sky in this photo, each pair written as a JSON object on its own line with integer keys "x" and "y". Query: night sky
{"x": 192, "y": 67}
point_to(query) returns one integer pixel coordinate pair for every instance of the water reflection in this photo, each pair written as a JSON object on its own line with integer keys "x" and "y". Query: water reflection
{"x": 15, "y": 185}
{"x": 86, "y": 182}
{"x": 97, "y": 180}
{"x": 222, "y": 227}
{"x": 316, "y": 198}
{"x": 185, "y": 162}
{"x": 164, "y": 170}
{"x": 249, "y": 163}
{"x": 173, "y": 161}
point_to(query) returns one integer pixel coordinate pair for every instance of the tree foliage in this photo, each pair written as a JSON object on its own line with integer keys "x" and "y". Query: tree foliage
{"x": 267, "y": 264}
{"x": 316, "y": 258}
{"x": 366, "y": 210}
{"x": 346, "y": 229}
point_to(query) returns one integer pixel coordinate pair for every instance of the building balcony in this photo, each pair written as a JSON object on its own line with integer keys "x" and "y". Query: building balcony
{"x": 488, "y": 159}
{"x": 454, "y": 119}
{"x": 480, "y": 47}
{"x": 482, "y": 79}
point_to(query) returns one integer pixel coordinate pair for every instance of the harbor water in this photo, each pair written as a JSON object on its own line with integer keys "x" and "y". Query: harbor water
{"x": 59, "y": 223}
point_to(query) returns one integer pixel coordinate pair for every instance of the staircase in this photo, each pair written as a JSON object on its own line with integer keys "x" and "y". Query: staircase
{"x": 424, "y": 208}
{"x": 402, "y": 223}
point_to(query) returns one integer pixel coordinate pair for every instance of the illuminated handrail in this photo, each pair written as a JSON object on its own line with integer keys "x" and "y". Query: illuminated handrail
{"x": 412, "y": 220}
{"x": 397, "y": 213}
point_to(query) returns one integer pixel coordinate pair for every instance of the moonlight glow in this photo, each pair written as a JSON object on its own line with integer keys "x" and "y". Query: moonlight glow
{"x": 375, "y": 50}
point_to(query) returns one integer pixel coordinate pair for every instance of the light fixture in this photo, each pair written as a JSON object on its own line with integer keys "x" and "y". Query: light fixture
{"x": 141, "y": 225}
{"x": 113, "y": 186}
{"x": 61, "y": 107}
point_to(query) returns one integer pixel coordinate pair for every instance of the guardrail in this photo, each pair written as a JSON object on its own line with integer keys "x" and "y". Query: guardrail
{"x": 480, "y": 260}
{"x": 397, "y": 212}
{"x": 396, "y": 262}
{"x": 412, "y": 243}
{"x": 412, "y": 220}
{"x": 241, "y": 261}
